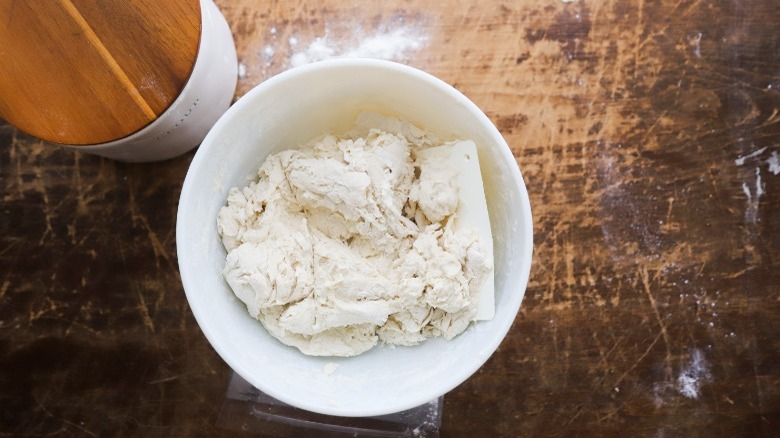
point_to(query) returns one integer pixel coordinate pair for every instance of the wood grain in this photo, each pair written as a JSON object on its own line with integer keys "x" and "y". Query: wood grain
{"x": 87, "y": 71}
{"x": 647, "y": 134}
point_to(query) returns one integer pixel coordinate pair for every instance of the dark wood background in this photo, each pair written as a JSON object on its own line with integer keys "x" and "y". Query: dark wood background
{"x": 648, "y": 133}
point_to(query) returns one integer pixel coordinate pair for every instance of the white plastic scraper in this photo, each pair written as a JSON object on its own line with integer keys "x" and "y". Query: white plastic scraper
{"x": 472, "y": 212}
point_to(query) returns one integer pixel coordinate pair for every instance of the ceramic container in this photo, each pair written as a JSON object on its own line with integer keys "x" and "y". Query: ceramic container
{"x": 203, "y": 100}
{"x": 290, "y": 109}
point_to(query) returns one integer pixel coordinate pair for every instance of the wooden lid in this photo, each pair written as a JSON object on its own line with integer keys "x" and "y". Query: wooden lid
{"x": 90, "y": 71}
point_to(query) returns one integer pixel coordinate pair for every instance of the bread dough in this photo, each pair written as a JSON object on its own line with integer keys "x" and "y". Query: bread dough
{"x": 349, "y": 240}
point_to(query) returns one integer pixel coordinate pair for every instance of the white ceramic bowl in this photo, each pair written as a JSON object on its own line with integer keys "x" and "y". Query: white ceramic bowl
{"x": 288, "y": 110}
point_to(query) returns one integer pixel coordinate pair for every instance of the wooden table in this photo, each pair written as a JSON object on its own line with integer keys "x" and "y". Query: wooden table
{"x": 648, "y": 134}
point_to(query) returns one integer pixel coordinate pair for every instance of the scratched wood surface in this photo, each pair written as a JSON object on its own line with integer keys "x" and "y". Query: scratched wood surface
{"x": 648, "y": 133}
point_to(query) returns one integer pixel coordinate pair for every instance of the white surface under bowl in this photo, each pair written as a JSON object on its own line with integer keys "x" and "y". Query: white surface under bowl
{"x": 288, "y": 110}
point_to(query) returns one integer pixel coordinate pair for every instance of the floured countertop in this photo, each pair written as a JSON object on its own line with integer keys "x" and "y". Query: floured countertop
{"x": 648, "y": 134}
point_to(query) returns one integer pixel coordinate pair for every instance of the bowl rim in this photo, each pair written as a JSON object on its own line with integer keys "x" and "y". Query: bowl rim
{"x": 496, "y": 336}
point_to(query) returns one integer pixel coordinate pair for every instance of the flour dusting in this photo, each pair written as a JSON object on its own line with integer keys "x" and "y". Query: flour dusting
{"x": 694, "y": 40}
{"x": 774, "y": 163}
{"x": 753, "y": 198}
{"x": 395, "y": 39}
{"x": 692, "y": 376}
{"x": 741, "y": 160}
{"x": 626, "y": 217}
{"x": 688, "y": 383}
{"x": 754, "y": 191}
{"x": 393, "y": 44}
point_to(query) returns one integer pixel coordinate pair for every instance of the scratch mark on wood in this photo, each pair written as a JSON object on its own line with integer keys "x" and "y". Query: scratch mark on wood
{"x": 639, "y": 360}
{"x": 643, "y": 275}
{"x": 638, "y": 30}
{"x": 145, "y": 312}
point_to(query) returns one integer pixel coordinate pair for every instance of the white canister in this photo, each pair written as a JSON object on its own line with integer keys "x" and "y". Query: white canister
{"x": 205, "y": 97}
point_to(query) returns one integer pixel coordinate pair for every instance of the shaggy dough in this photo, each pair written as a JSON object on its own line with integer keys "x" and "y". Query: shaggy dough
{"x": 351, "y": 239}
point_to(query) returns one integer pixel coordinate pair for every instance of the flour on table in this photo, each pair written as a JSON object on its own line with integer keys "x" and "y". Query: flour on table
{"x": 393, "y": 44}
{"x": 754, "y": 190}
{"x": 774, "y": 163}
{"x": 350, "y": 240}
{"x": 739, "y": 161}
{"x": 395, "y": 39}
{"x": 753, "y": 198}
{"x": 693, "y": 375}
